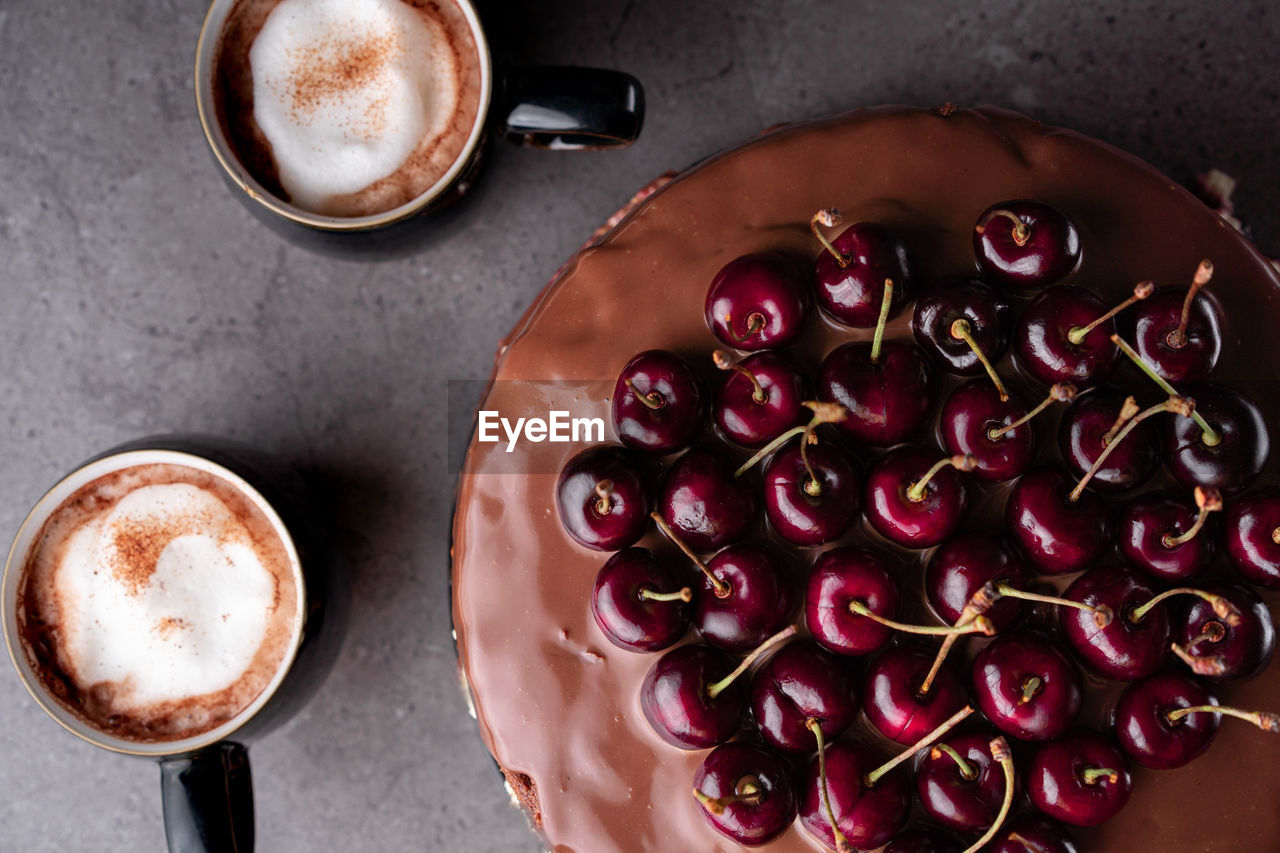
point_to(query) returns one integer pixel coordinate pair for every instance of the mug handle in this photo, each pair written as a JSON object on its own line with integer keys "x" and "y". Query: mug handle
{"x": 208, "y": 800}
{"x": 567, "y": 108}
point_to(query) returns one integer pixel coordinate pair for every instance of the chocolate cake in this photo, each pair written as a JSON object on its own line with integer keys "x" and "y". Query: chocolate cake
{"x": 558, "y": 704}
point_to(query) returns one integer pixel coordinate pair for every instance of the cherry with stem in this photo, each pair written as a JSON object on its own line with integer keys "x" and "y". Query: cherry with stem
{"x": 1183, "y": 406}
{"x": 1208, "y": 434}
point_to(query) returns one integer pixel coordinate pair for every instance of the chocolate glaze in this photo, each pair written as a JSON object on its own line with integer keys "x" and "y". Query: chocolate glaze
{"x": 556, "y": 702}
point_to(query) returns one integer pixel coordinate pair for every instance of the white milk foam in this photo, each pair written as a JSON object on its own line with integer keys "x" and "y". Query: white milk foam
{"x": 193, "y": 626}
{"x": 346, "y": 91}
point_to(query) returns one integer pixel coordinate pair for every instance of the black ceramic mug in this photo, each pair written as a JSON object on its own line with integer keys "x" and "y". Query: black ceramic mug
{"x": 206, "y": 782}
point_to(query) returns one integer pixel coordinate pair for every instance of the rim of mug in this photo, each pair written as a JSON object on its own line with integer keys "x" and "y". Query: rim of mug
{"x": 16, "y": 560}
{"x": 206, "y": 50}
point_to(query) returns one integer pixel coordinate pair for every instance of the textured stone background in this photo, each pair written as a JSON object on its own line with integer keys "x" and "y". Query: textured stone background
{"x": 137, "y": 297}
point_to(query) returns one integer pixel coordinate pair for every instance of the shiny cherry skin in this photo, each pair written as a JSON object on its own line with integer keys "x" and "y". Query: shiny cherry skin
{"x": 1027, "y": 686}
{"x": 888, "y": 401}
{"x": 964, "y": 564}
{"x": 1145, "y": 732}
{"x": 761, "y": 599}
{"x": 897, "y": 516}
{"x": 1235, "y": 462}
{"x": 923, "y": 840}
{"x": 705, "y": 504}
{"x": 603, "y": 498}
{"x": 759, "y": 301}
{"x": 1146, "y": 523}
{"x": 1252, "y": 526}
{"x": 802, "y": 682}
{"x": 1082, "y": 429}
{"x": 1049, "y": 252}
{"x": 851, "y": 294}
{"x": 1158, "y": 317}
{"x": 676, "y": 703}
{"x": 1032, "y": 833}
{"x": 1060, "y": 788}
{"x": 971, "y": 413}
{"x": 1044, "y": 350}
{"x": 841, "y": 576}
{"x": 952, "y": 299}
{"x": 966, "y": 805}
{"x": 892, "y": 700}
{"x": 1243, "y": 650}
{"x": 1125, "y": 650}
{"x": 1057, "y": 534}
{"x": 659, "y": 404}
{"x": 628, "y": 618}
{"x": 753, "y": 420}
{"x": 868, "y": 817}
{"x": 737, "y": 769}
{"x": 805, "y": 514}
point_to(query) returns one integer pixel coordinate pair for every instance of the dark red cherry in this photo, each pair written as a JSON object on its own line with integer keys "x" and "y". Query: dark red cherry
{"x": 811, "y": 492}
{"x": 851, "y": 271}
{"x": 923, "y": 840}
{"x": 759, "y": 400}
{"x": 1089, "y": 425}
{"x": 603, "y": 498}
{"x": 1163, "y": 535}
{"x": 894, "y": 702}
{"x": 1027, "y": 686}
{"x": 842, "y": 576}
{"x": 1234, "y": 462}
{"x": 962, "y": 565}
{"x": 702, "y": 500}
{"x": 802, "y": 682}
{"x": 977, "y": 422}
{"x": 888, "y": 400}
{"x": 641, "y": 602}
{"x": 1145, "y": 730}
{"x": 867, "y": 816}
{"x": 659, "y": 405}
{"x": 1081, "y": 779}
{"x": 914, "y": 499}
{"x": 759, "y": 301}
{"x": 1180, "y": 352}
{"x": 958, "y": 782}
{"x": 1031, "y": 833}
{"x": 760, "y": 601}
{"x": 1059, "y": 535}
{"x": 1253, "y": 537}
{"x": 984, "y": 316}
{"x": 1218, "y": 649}
{"x": 746, "y": 792}
{"x": 1134, "y": 644}
{"x": 1025, "y": 245}
{"x": 679, "y": 703}
{"x": 1044, "y": 338}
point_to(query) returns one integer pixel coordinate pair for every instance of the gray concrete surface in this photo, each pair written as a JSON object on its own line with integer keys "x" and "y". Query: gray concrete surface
{"x": 136, "y": 297}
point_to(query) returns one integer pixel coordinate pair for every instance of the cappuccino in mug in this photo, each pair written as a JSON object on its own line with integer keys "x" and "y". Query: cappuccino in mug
{"x": 157, "y": 602}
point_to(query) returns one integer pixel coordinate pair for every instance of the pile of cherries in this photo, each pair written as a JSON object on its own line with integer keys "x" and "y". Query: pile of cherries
{"x": 844, "y": 451}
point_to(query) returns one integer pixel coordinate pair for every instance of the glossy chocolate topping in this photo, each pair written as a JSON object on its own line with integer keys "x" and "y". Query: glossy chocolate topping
{"x": 556, "y": 701}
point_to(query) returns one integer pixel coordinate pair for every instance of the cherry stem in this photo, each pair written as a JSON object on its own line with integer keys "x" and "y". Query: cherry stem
{"x": 1127, "y": 410}
{"x": 1177, "y": 339}
{"x": 653, "y": 399}
{"x": 1208, "y": 666}
{"x": 1102, "y": 614}
{"x": 928, "y": 740}
{"x": 684, "y": 594}
{"x": 842, "y": 843}
{"x": 1061, "y": 392}
{"x": 1275, "y": 535}
{"x": 1021, "y": 232}
{"x": 722, "y": 588}
{"x": 1001, "y": 753}
{"x": 962, "y": 330}
{"x": 748, "y": 792}
{"x": 1030, "y": 689}
{"x": 967, "y": 770}
{"x": 823, "y": 413}
{"x": 1184, "y": 406}
{"x": 828, "y": 218}
{"x": 755, "y": 322}
{"x": 977, "y": 625}
{"x": 886, "y": 302}
{"x": 604, "y": 497}
{"x": 1207, "y": 433}
{"x": 979, "y": 603}
{"x": 714, "y": 690}
{"x": 1207, "y": 500}
{"x": 1144, "y": 289}
{"x": 1268, "y": 721}
{"x": 1093, "y": 775}
{"x": 724, "y": 362}
{"x": 1213, "y": 632}
{"x": 1225, "y": 610}
{"x": 961, "y": 462}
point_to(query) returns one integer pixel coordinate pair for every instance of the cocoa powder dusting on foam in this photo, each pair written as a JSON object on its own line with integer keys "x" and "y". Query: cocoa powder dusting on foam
{"x": 138, "y": 543}
{"x": 328, "y": 70}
